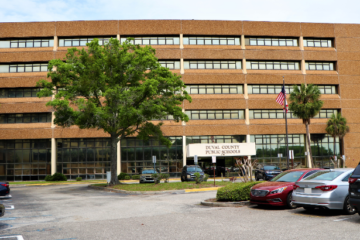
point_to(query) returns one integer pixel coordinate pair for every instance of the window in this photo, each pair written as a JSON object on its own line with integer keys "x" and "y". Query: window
{"x": 261, "y": 41}
{"x": 324, "y": 89}
{"x": 212, "y": 64}
{"x": 215, "y": 114}
{"x": 211, "y": 40}
{"x": 319, "y": 66}
{"x": 170, "y": 64}
{"x": 309, "y": 42}
{"x": 324, "y": 175}
{"x": 326, "y": 113}
{"x": 153, "y": 40}
{"x": 30, "y": 67}
{"x": 18, "y": 92}
{"x": 270, "y": 65}
{"x": 26, "y": 43}
{"x": 216, "y": 139}
{"x": 25, "y": 118}
{"x": 76, "y": 42}
{"x": 310, "y": 173}
{"x": 323, "y": 145}
{"x": 269, "y": 114}
{"x": 268, "y": 89}
{"x": 214, "y": 89}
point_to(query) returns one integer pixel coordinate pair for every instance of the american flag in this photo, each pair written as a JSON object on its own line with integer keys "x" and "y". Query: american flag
{"x": 281, "y": 97}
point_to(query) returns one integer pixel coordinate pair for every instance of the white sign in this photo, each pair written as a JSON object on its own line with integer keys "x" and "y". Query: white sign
{"x": 291, "y": 154}
{"x": 221, "y": 149}
{"x": 154, "y": 159}
{"x": 213, "y": 159}
{"x": 280, "y": 155}
{"x": 306, "y": 153}
{"x": 196, "y": 159}
{"x": 343, "y": 157}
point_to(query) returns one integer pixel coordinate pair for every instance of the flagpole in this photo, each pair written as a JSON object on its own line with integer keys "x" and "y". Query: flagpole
{"x": 286, "y": 127}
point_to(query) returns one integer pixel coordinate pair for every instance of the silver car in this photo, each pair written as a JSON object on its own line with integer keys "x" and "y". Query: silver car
{"x": 325, "y": 189}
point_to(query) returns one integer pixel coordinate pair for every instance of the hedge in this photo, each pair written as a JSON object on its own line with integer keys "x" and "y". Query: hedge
{"x": 235, "y": 192}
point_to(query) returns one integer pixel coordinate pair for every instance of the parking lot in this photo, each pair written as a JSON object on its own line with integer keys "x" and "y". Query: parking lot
{"x": 77, "y": 212}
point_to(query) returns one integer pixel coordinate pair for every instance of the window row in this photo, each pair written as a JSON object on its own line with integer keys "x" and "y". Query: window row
{"x": 276, "y": 89}
{"x": 212, "y": 64}
{"x": 215, "y": 114}
{"x": 26, "y": 43}
{"x": 25, "y": 118}
{"x": 29, "y": 67}
{"x": 83, "y": 142}
{"x": 279, "y": 114}
{"x": 18, "y": 92}
{"x": 25, "y": 144}
{"x": 215, "y": 89}
{"x": 322, "y": 66}
{"x": 170, "y": 64}
{"x": 170, "y": 40}
{"x": 272, "y": 65}
{"x": 216, "y": 139}
{"x": 153, "y": 40}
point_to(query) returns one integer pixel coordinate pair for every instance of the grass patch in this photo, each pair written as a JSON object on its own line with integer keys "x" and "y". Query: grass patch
{"x": 168, "y": 186}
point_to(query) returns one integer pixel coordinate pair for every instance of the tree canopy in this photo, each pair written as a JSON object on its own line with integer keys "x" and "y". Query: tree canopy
{"x": 119, "y": 88}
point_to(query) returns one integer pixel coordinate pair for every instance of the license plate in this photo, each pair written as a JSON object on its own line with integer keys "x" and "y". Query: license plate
{"x": 307, "y": 190}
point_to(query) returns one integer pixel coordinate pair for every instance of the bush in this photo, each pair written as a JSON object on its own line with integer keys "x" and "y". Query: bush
{"x": 122, "y": 176}
{"x": 206, "y": 177}
{"x": 127, "y": 177}
{"x": 135, "y": 177}
{"x": 56, "y": 177}
{"x": 156, "y": 177}
{"x": 197, "y": 177}
{"x": 235, "y": 192}
{"x": 78, "y": 178}
{"x": 165, "y": 177}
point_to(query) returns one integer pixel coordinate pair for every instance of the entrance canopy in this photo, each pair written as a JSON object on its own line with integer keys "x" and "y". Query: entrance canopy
{"x": 220, "y": 149}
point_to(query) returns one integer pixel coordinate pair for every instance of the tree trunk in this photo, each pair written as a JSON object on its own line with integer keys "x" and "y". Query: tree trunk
{"x": 113, "y": 160}
{"x": 309, "y": 145}
{"x": 337, "y": 161}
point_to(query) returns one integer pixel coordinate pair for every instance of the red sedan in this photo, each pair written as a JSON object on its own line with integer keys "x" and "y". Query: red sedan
{"x": 278, "y": 191}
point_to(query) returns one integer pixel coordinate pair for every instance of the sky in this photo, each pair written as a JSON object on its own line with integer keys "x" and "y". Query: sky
{"x": 323, "y": 11}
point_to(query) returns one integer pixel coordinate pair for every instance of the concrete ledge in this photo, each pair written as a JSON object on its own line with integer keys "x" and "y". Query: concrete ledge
{"x": 225, "y": 204}
{"x": 137, "y": 192}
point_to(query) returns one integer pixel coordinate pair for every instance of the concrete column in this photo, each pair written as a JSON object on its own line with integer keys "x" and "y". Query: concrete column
{"x": 118, "y": 158}
{"x": 118, "y": 37}
{"x": 303, "y": 68}
{"x": 242, "y": 41}
{"x": 53, "y": 156}
{"x": 182, "y": 70}
{"x": 247, "y": 119}
{"x": 301, "y": 43}
{"x": 247, "y": 141}
{"x": 56, "y": 43}
{"x": 184, "y": 150}
{"x": 246, "y": 94}
{"x": 181, "y": 41}
{"x": 244, "y": 66}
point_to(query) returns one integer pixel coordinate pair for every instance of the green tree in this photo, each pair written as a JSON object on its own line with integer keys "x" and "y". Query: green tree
{"x": 305, "y": 103}
{"x": 336, "y": 127}
{"x": 118, "y": 88}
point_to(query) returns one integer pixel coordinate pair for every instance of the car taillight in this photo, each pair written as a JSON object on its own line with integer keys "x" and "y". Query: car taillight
{"x": 352, "y": 180}
{"x": 5, "y": 185}
{"x": 296, "y": 186}
{"x": 327, "y": 187}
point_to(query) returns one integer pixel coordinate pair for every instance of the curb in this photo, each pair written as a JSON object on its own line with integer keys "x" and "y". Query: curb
{"x": 225, "y": 204}
{"x": 137, "y": 192}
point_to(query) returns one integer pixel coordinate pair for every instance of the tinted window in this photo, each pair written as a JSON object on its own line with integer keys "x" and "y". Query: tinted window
{"x": 324, "y": 175}
{"x": 310, "y": 173}
{"x": 148, "y": 172}
{"x": 345, "y": 179}
{"x": 357, "y": 170}
{"x": 287, "y": 177}
{"x": 194, "y": 169}
{"x": 271, "y": 168}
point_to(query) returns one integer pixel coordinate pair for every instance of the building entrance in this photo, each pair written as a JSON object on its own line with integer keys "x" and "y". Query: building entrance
{"x": 224, "y": 165}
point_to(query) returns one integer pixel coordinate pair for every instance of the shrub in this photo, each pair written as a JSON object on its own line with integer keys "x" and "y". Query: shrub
{"x": 235, "y": 192}
{"x": 135, "y": 177}
{"x": 197, "y": 177}
{"x": 127, "y": 177}
{"x": 156, "y": 177}
{"x": 122, "y": 176}
{"x": 165, "y": 177}
{"x": 78, "y": 178}
{"x": 56, "y": 177}
{"x": 206, "y": 177}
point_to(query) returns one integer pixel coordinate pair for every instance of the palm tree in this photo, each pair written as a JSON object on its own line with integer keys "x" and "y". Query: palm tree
{"x": 305, "y": 104}
{"x": 336, "y": 127}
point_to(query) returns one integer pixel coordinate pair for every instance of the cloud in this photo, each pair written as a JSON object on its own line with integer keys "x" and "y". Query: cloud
{"x": 255, "y": 10}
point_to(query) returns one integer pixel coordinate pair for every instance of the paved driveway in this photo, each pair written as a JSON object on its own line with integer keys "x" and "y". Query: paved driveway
{"x": 77, "y": 212}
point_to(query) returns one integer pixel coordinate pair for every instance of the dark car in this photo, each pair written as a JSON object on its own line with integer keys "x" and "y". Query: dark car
{"x": 267, "y": 172}
{"x": 4, "y": 188}
{"x": 188, "y": 171}
{"x": 354, "y": 189}
{"x": 278, "y": 191}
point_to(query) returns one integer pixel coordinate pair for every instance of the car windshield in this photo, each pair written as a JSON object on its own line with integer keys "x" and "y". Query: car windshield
{"x": 148, "y": 171}
{"x": 324, "y": 175}
{"x": 288, "y": 176}
{"x": 271, "y": 168}
{"x": 194, "y": 169}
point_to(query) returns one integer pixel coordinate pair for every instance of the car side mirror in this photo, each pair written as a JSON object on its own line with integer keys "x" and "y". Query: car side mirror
{"x": 2, "y": 210}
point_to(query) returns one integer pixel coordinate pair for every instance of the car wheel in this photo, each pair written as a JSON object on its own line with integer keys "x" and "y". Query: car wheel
{"x": 348, "y": 209}
{"x": 308, "y": 208}
{"x": 182, "y": 178}
{"x": 256, "y": 178}
{"x": 289, "y": 202}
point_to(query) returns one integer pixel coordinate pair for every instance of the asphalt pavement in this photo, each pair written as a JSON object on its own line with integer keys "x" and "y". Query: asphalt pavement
{"x": 77, "y": 212}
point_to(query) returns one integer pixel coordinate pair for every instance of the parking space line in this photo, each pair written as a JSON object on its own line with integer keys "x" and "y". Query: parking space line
{"x": 18, "y": 237}
{"x": 338, "y": 220}
{"x": 6, "y": 219}
{"x": 6, "y": 197}
{"x": 9, "y": 207}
